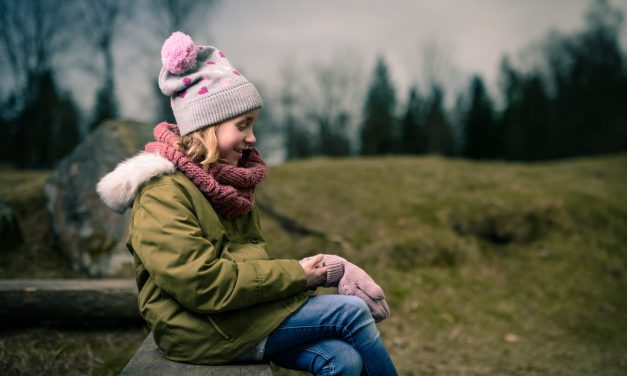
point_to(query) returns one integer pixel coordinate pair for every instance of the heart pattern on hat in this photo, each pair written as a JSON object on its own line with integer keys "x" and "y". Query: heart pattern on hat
{"x": 225, "y": 82}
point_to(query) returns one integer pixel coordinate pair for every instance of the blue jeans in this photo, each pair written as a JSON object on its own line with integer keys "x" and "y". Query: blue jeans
{"x": 330, "y": 335}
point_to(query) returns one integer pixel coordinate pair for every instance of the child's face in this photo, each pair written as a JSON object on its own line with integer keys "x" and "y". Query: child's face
{"x": 235, "y": 135}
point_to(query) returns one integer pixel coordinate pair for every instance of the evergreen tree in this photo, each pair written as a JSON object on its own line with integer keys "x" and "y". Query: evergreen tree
{"x": 5, "y": 137}
{"x": 297, "y": 140}
{"x": 526, "y": 117}
{"x": 34, "y": 123}
{"x": 268, "y": 131}
{"x": 101, "y": 18}
{"x": 587, "y": 74}
{"x": 8, "y": 129}
{"x": 106, "y": 106}
{"x": 47, "y": 126}
{"x": 456, "y": 119}
{"x": 378, "y": 127}
{"x": 438, "y": 134}
{"x": 536, "y": 112}
{"x": 327, "y": 99}
{"x": 412, "y": 139}
{"x": 481, "y": 138}
{"x": 65, "y": 129}
{"x": 333, "y": 137}
{"x": 574, "y": 105}
{"x": 164, "y": 109}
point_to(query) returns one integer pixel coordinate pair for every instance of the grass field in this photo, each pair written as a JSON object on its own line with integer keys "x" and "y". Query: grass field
{"x": 489, "y": 268}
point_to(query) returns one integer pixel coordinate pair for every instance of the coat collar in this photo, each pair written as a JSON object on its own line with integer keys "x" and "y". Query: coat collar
{"x": 119, "y": 187}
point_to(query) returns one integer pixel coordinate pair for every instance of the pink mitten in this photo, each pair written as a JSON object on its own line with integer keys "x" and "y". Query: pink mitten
{"x": 352, "y": 280}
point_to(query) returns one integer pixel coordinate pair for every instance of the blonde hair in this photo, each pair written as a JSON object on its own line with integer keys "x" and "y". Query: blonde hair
{"x": 200, "y": 146}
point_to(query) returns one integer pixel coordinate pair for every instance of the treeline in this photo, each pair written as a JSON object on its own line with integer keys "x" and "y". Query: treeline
{"x": 45, "y": 43}
{"x": 572, "y": 102}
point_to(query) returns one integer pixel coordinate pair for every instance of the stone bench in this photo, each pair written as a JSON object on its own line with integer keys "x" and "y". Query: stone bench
{"x": 149, "y": 360}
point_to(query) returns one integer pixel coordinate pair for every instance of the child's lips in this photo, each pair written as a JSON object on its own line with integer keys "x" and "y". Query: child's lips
{"x": 241, "y": 151}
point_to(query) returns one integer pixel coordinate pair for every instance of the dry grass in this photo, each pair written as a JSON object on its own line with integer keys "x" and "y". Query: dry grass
{"x": 67, "y": 352}
{"x": 489, "y": 268}
{"x": 35, "y": 257}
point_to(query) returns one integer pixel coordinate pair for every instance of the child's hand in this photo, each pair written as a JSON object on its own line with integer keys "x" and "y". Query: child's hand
{"x": 316, "y": 274}
{"x": 353, "y": 280}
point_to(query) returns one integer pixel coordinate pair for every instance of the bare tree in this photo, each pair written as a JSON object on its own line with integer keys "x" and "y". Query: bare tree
{"x": 40, "y": 120}
{"x": 173, "y": 15}
{"x": 31, "y": 36}
{"x": 442, "y": 80}
{"x": 297, "y": 139}
{"x": 163, "y": 17}
{"x": 332, "y": 100}
{"x": 438, "y": 68}
{"x": 100, "y": 19}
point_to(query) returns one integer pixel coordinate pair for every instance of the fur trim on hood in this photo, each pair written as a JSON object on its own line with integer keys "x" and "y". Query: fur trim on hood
{"x": 118, "y": 188}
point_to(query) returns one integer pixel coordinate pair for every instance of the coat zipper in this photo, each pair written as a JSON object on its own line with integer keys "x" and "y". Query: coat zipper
{"x": 217, "y": 328}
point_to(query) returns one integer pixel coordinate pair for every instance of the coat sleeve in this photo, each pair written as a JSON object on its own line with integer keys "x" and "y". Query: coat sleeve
{"x": 166, "y": 236}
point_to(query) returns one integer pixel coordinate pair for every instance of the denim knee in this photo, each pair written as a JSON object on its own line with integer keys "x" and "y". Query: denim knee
{"x": 337, "y": 358}
{"x": 357, "y": 307}
{"x": 348, "y": 362}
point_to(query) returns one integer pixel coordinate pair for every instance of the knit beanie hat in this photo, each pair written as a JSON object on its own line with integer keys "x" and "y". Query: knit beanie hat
{"x": 204, "y": 88}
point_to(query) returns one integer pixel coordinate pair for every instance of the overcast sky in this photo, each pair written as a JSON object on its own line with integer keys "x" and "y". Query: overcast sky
{"x": 262, "y": 37}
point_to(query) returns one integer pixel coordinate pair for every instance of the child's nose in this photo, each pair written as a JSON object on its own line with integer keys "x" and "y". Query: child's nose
{"x": 250, "y": 138}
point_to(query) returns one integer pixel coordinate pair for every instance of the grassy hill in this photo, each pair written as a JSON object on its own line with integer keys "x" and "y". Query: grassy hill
{"x": 489, "y": 268}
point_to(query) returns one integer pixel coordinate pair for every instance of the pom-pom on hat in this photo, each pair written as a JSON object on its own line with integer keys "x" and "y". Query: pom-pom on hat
{"x": 204, "y": 88}
{"x": 178, "y": 53}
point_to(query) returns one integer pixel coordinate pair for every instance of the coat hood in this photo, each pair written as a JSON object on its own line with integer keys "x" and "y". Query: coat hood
{"x": 118, "y": 188}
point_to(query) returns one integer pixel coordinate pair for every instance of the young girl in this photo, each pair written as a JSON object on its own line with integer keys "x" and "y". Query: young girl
{"x": 207, "y": 288}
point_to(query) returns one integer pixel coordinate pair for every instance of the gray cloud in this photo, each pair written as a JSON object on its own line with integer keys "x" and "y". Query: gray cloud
{"x": 260, "y": 37}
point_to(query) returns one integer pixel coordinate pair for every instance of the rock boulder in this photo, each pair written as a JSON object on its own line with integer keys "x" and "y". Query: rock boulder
{"x": 89, "y": 234}
{"x": 10, "y": 232}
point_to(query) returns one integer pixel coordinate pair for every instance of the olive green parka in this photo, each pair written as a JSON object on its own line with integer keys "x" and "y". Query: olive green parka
{"x": 207, "y": 288}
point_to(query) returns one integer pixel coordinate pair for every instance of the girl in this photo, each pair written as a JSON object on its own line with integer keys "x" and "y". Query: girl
{"x": 207, "y": 288}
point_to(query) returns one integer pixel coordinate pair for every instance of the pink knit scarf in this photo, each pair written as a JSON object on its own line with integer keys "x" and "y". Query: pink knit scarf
{"x": 230, "y": 189}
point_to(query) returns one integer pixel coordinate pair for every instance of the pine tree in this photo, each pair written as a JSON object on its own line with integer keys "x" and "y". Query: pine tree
{"x": 412, "y": 139}
{"x": 587, "y": 74}
{"x": 106, "y": 106}
{"x": 525, "y": 120}
{"x": 34, "y": 123}
{"x": 5, "y": 137}
{"x": 438, "y": 133}
{"x": 164, "y": 109}
{"x": 65, "y": 131}
{"x": 333, "y": 137}
{"x": 378, "y": 127}
{"x": 47, "y": 126}
{"x": 481, "y": 138}
{"x": 297, "y": 139}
